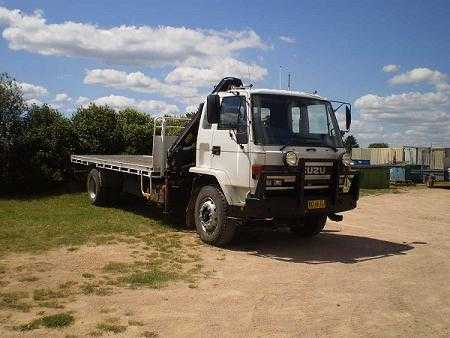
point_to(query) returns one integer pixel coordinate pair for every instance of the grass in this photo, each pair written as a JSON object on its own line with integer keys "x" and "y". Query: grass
{"x": 28, "y": 279}
{"x": 135, "y": 323}
{"x": 95, "y": 289}
{"x": 52, "y": 304}
{"x": 49, "y": 294}
{"x": 56, "y": 321}
{"x": 110, "y": 327}
{"x": 117, "y": 267}
{"x": 41, "y": 223}
{"x": 153, "y": 278}
{"x": 36, "y": 224}
{"x": 14, "y": 301}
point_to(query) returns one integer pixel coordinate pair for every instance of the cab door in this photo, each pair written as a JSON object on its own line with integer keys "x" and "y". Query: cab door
{"x": 204, "y": 141}
{"x": 229, "y": 151}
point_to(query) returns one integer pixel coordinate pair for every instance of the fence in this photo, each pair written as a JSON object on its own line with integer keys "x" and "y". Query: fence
{"x": 434, "y": 158}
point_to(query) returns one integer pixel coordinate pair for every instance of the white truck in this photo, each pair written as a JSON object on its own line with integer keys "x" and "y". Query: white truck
{"x": 247, "y": 154}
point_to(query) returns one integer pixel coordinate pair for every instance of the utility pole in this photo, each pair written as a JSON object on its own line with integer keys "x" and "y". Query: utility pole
{"x": 289, "y": 81}
{"x": 279, "y": 85}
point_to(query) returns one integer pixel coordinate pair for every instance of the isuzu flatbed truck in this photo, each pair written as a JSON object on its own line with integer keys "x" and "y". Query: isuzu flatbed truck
{"x": 247, "y": 154}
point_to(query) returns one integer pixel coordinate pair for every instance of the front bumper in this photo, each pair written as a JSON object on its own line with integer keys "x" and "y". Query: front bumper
{"x": 294, "y": 203}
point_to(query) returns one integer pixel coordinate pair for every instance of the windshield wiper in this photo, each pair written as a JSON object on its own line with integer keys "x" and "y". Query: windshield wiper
{"x": 326, "y": 145}
{"x": 293, "y": 141}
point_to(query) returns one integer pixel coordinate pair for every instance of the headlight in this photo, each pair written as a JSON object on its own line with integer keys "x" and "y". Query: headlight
{"x": 290, "y": 158}
{"x": 347, "y": 160}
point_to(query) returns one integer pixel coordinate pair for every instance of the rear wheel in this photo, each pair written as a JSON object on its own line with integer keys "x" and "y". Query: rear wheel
{"x": 211, "y": 217}
{"x": 96, "y": 188}
{"x": 310, "y": 226}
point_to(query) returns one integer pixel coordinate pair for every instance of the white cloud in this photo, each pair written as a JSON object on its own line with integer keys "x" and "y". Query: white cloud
{"x": 418, "y": 75}
{"x": 34, "y": 101}
{"x": 193, "y": 59}
{"x": 407, "y": 118}
{"x": 82, "y": 100}
{"x": 31, "y": 91}
{"x": 404, "y": 108}
{"x": 62, "y": 97}
{"x": 154, "y": 46}
{"x": 198, "y": 74}
{"x": 391, "y": 68}
{"x": 288, "y": 39}
{"x": 191, "y": 109}
{"x": 121, "y": 102}
{"x": 139, "y": 82}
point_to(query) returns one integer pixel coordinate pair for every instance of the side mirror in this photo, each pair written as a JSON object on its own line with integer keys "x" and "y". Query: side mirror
{"x": 348, "y": 117}
{"x": 212, "y": 108}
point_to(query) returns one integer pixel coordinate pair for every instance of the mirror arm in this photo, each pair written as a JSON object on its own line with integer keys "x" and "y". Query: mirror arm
{"x": 341, "y": 104}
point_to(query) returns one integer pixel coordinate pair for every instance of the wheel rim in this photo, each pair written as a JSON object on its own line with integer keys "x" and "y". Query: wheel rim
{"x": 91, "y": 188}
{"x": 208, "y": 215}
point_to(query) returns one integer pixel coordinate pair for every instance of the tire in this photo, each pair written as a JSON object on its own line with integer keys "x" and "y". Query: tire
{"x": 211, "y": 221}
{"x": 430, "y": 182}
{"x": 310, "y": 226}
{"x": 97, "y": 191}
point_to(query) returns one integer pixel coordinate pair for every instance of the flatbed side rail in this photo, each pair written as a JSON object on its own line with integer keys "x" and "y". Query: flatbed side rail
{"x": 124, "y": 167}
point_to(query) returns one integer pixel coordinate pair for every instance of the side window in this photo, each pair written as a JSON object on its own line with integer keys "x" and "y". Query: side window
{"x": 295, "y": 119}
{"x": 265, "y": 117}
{"x": 232, "y": 113}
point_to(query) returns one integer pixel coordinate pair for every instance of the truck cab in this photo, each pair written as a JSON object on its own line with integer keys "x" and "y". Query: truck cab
{"x": 274, "y": 155}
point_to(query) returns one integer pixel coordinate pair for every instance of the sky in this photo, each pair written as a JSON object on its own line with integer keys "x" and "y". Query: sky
{"x": 390, "y": 59}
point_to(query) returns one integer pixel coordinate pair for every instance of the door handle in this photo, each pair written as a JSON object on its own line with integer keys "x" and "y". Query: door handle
{"x": 216, "y": 150}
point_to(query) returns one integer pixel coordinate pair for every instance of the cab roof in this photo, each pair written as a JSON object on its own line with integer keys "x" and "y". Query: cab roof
{"x": 279, "y": 92}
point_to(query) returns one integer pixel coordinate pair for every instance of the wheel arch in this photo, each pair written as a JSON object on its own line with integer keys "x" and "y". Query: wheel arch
{"x": 209, "y": 176}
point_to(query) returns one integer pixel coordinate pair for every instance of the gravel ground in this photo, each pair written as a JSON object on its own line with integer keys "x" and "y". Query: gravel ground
{"x": 383, "y": 271}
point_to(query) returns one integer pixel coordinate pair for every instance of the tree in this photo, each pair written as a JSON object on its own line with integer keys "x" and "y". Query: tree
{"x": 97, "y": 129}
{"x": 12, "y": 109}
{"x": 378, "y": 145}
{"x": 350, "y": 142}
{"x": 137, "y": 131}
{"x": 48, "y": 141}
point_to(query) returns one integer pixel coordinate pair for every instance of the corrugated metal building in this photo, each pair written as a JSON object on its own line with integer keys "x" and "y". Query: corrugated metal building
{"x": 429, "y": 157}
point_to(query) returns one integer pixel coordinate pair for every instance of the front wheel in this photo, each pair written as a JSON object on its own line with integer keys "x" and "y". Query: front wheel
{"x": 211, "y": 217}
{"x": 310, "y": 226}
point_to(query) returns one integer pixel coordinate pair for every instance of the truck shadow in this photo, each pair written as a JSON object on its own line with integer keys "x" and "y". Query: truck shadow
{"x": 328, "y": 247}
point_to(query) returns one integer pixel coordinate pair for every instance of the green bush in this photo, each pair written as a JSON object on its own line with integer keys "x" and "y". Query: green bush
{"x": 137, "y": 131}
{"x": 12, "y": 109}
{"x": 48, "y": 141}
{"x": 97, "y": 130}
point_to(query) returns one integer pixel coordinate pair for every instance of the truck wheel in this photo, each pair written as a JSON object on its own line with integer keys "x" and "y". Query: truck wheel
{"x": 97, "y": 191}
{"x": 211, "y": 221}
{"x": 430, "y": 182}
{"x": 309, "y": 226}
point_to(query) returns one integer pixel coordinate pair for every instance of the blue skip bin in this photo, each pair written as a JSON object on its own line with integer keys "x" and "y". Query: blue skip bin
{"x": 397, "y": 174}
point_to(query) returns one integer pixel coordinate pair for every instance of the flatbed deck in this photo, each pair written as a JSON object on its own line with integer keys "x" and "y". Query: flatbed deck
{"x": 133, "y": 164}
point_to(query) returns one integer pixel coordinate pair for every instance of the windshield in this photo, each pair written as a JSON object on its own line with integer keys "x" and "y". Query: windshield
{"x": 290, "y": 120}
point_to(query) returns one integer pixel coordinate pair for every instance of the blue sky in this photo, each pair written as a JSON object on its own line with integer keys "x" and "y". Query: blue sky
{"x": 337, "y": 48}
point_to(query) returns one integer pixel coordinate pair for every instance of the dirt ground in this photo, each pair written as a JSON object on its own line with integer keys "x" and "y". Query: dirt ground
{"x": 383, "y": 271}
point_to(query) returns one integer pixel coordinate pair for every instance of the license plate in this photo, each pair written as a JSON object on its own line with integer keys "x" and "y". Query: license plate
{"x": 316, "y": 204}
